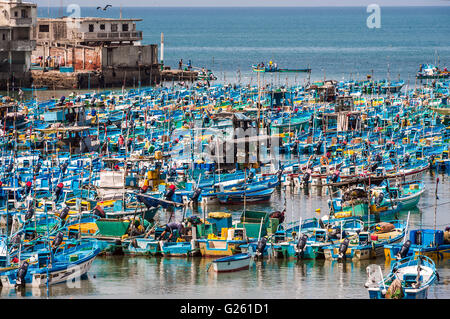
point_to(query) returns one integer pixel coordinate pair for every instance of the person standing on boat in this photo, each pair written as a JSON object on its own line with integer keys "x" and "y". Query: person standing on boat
{"x": 171, "y": 228}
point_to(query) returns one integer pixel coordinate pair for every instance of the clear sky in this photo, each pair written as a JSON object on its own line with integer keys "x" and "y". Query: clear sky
{"x": 241, "y": 3}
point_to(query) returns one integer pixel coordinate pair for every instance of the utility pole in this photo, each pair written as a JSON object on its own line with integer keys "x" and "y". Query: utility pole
{"x": 162, "y": 51}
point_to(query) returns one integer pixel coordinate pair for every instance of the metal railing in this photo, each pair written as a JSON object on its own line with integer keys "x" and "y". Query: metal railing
{"x": 135, "y": 35}
{"x": 21, "y": 21}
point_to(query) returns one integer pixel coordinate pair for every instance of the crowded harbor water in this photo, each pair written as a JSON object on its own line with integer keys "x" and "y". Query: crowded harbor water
{"x": 286, "y": 184}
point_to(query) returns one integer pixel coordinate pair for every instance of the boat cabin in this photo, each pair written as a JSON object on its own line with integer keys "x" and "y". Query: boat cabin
{"x": 75, "y": 139}
{"x": 426, "y": 237}
{"x": 67, "y": 114}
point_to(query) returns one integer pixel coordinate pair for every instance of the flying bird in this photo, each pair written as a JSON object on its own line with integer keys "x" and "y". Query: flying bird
{"x": 106, "y": 7}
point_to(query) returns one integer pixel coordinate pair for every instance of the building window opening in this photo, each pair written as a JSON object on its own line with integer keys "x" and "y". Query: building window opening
{"x": 44, "y": 28}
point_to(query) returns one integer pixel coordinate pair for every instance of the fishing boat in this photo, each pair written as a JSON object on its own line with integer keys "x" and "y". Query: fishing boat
{"x": 255, "y": 194}
{"x": 47, "y": 267}
{"x": 180, "y": 248}
{"x": 434, "y": 244}
{"x": 366, "y": 244}
{"x": 232, "y": 263}
{"x": 407, "y": 195}
{"x": 430, "y": 71}
{"x": 226, "y": 245}
{"x": 270, "y": 68}
{"x": 409, "y": 278}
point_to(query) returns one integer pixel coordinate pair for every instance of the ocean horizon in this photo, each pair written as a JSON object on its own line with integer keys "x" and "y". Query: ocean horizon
{"x": 335, "y": 42}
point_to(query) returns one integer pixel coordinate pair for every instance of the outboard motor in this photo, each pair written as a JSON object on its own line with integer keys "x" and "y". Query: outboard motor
{"x": 29, "y": 235}
{"x": 335, "y": 177}
{"x": 404, "y": 250}
{"x": 64, "y": 167}
{"x": 374, "y": 167}
{"x": 406, "y": 158}
{"x": 196, "y": 195}
{"x": 431, "y": 160}
{"x": 21, "y": 273}
{"x": 98, "y": 211}
{"x": 170, "y": 193}
{"x": 379, "y": 199}
{"x": 306, "y": 177}
{"x": 58, "y": 239}
{"x": 172, "y": 172}
{"x": 318, "y": 147}
{"x": 37, "y": 168}
{"x": 262, "y": 243}
{"x": 27, "y": 189}
{"x": 279, "y": 174}
{"x": 343, "y": 248}
{"x": 143, "y": 189}
{"x": 301, "y": 246}
{"x": 29, "y": 214}
{"x": 58, "y": 191}
{"x": 64, "y": 213}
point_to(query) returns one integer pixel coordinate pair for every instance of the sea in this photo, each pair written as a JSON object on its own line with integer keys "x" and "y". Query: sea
{"x": 335, "y": 43}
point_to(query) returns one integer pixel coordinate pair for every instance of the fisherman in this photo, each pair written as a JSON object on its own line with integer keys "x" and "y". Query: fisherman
{"x": 180, "y": 64}
{"x": 279, "y": 215}
{"x": 172, "y": 227}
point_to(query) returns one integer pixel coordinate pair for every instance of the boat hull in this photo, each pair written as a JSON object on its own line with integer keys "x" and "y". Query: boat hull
{"x": 233, "y": 263}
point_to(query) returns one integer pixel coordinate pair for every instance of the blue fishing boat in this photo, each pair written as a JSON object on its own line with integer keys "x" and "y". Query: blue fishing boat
{"x": 52, "y": 267}
{"x": 366, "y": 244}
{"x": 432, "y": 243}
{"x": 178, "y": 248}
{"x": 409, "y": 278}
{"x": 254, "y": 194}
{"x": 141, "y": 246}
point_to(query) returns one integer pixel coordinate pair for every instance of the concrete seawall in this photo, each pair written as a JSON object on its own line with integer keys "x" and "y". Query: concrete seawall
{"x": 108, "y": 78}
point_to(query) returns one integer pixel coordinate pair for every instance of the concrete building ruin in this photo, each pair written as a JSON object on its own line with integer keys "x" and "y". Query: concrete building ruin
{"x": 92, "y": 52}
{"x": 16, "y": 21}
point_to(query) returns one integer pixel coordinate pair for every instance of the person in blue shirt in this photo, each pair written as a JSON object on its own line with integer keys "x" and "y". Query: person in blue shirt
{"x": 171, "y": 227}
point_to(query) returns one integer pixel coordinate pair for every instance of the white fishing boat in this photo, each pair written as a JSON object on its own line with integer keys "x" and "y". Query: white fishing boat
{"x": 232, "y": 263}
